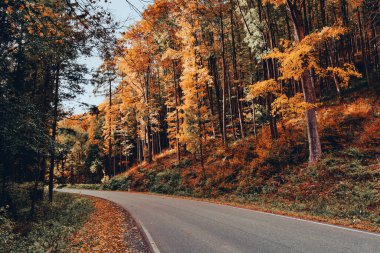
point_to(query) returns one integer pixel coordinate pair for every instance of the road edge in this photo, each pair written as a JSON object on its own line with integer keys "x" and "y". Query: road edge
{"x": 148, "y": 238}
{"x": 289, "y": 215}
{"x": 292, "y": 216}
{"x": 144, "y": 232}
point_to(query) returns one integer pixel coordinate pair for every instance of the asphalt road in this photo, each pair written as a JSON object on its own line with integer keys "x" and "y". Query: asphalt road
{"x": 181, "y": 226}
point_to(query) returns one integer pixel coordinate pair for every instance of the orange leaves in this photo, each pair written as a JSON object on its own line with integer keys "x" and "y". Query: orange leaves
{"x": 291, "y": 109}
{"x": 263, "y": 88}
{"x": 343, "y": 73}
{"x": 370, "y": 135}
{"x": 105, "y": 230}
{"x": 156, "y": 11}
{"x": 360, "y": 109}
{"x": 294, "y": 61}
{"x": 328, "y": 33}
{"x": 299, "y": 57}
{"x": 171, "y": 54}
{"x": 275, "y": 2}
{"x": 194, "y": 81}
{"x": 42, "y": 19}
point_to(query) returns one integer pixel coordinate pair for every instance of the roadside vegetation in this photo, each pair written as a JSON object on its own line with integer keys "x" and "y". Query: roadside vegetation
{"x": 51, "y": 226}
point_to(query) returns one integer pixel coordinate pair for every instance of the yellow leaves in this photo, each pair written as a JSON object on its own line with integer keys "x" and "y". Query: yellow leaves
{"x": 297, "y": 58}
{"x": 343, "y": 74}
{"x": 291, "y": 109}
{"x": 284, "y": 43}
{"x": 294, "y": 61}
{"x": 263, "y": 88}
{"x": 275, "y": 2}
{"x": 332, "y": 32}
{"x": 194, "y": 81}
{"x": 171, "y": 54}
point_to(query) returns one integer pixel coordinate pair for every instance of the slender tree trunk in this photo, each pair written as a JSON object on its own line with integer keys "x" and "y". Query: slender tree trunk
{"x": 110, "y": 127}
{"x": 214, "y": 70}
{"x": 114, "y": 164}
{"x": 254, "y": 119}
{"x": 159, "y": 142}
{"x": 363, "y": 48}
{"x": 315, "y": 150}
{"x": 236, "y": 75}
{"x": 53, "y": 135}
{"x": 224, "y": 82}
{"x": 374, "y": 7}
{"x": 230, "y": 108}
{"x": 34, "y": 198}
{"x": 138, "y": 150}
{"x": 148, "y": 127}
{"x": 5, "y": 163}
{"x": 47, "y": 82}
{"x": 176, "y": 114}
{"x": 63, "y": 171}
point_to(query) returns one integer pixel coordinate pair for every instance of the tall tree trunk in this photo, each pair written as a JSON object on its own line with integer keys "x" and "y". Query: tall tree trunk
{"x": 53, "y": 135}
{"x": 363, "y": 48}
{"x": 254, "y": 119}
{"x": 47, "y": 82}
{"x": 236, "y": 75}
{"x": 374, "y": 7}
{"x": 148, "y": 128}
{"x": 110, "y": 128}
{"x": 224, "y": 81}
{"x": 315, "y": 150}
{"x": 214, "y": 71}
{"x": 176, "y": 114}
{"x": 5, "y": 172}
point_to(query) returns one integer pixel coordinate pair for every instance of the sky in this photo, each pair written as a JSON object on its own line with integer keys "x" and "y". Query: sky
{"x": 122, "y": 12}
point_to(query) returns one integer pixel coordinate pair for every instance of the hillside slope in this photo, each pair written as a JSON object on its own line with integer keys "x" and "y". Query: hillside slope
{"x": 273, "y": 174}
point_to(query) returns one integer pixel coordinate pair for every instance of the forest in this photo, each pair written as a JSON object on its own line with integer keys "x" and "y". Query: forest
{"x": 195, "y": 77}
{"x": 266, "y": 101}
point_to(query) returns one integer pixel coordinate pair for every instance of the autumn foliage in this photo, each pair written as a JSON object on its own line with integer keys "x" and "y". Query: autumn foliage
{"x": 204, "y": 98}
{"x": 193, "y": 75}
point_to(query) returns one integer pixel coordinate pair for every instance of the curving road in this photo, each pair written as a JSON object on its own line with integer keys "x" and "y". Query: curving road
{"x": 180, "y": 226}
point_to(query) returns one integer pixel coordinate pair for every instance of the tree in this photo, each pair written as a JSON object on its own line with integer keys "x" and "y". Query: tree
{"x": 40, "y": 42}
{"x": 105, "y": 76}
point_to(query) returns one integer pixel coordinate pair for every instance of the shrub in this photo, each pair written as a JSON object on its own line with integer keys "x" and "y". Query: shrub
{"x": 117, "y": 183}
{"x": 54, "y": 223}
{"x": 7, "y": 236}
{"x": 83, "y": 186}
{"x": 166, "y": 181}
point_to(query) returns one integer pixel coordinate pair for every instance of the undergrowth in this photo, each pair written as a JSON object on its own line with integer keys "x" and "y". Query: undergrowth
{"x": 51, "y": 227}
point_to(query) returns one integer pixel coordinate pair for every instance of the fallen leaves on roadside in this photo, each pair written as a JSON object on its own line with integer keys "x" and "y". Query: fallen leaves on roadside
{"x": 104, "y": 231}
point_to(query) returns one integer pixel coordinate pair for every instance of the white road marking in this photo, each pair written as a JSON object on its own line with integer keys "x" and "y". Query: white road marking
{"x": 310, "y": 221}
{"x": 149, "y": 237}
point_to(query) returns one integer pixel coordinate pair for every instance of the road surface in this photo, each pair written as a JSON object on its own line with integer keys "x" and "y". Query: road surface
{"x": 182, "y": 226}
